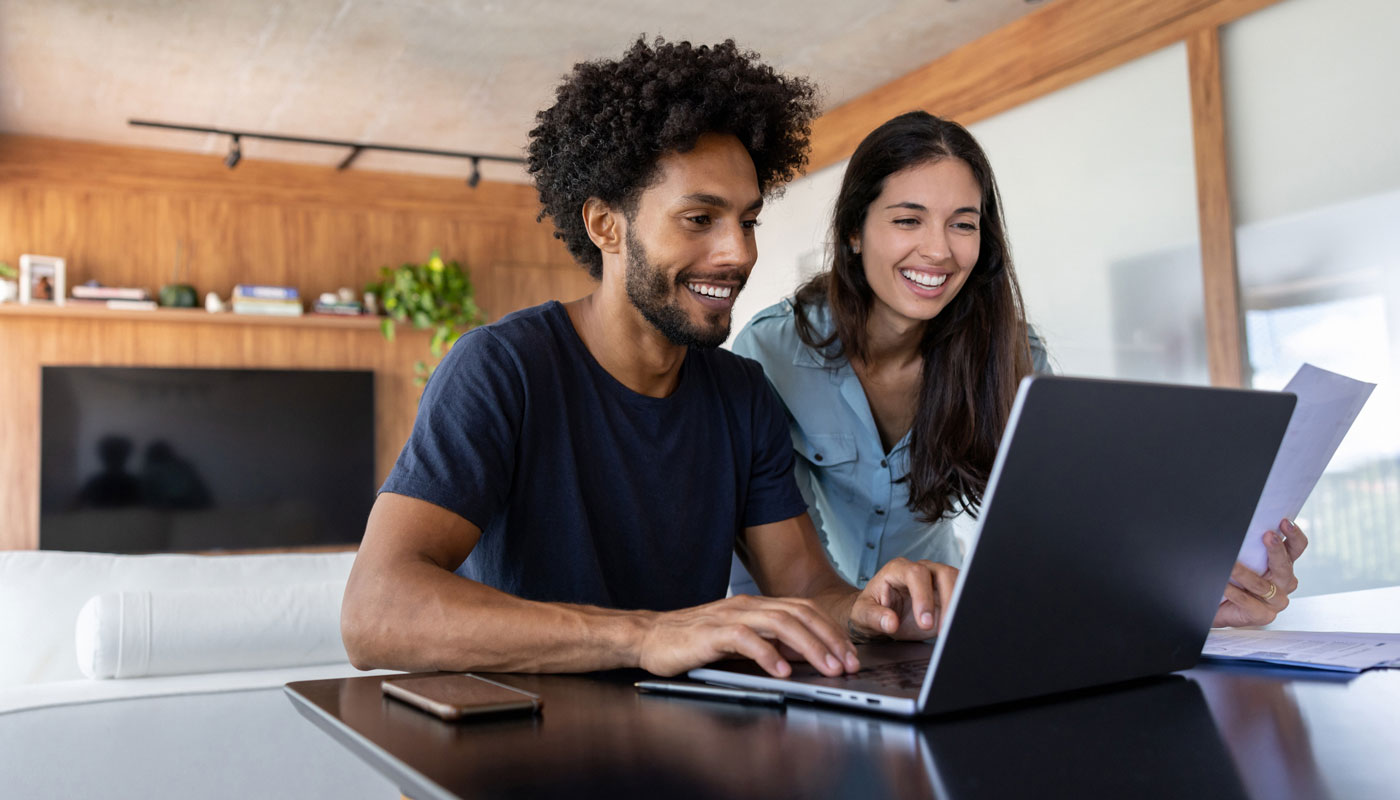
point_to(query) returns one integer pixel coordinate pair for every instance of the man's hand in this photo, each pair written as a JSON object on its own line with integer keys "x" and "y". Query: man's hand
{"x": 752, "y": 627}
{"x": 1253, "y": 599}
{"x": 905, "y": 600}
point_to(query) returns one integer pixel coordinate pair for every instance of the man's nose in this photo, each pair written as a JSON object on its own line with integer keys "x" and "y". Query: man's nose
{"x": 735, "y": 247}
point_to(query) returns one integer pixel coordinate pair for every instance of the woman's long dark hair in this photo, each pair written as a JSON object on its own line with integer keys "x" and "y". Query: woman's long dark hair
{"x": 975, "y": 351}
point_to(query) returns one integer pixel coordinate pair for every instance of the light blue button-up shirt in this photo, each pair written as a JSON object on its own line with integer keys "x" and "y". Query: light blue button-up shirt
{"x": 859, "y": 506}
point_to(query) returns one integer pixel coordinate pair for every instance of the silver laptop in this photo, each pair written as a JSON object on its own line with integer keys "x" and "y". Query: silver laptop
{"x": 1111, "y": 522}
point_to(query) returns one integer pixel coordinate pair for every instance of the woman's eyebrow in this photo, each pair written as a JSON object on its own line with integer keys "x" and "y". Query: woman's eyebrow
{"x": 912, "y": 206}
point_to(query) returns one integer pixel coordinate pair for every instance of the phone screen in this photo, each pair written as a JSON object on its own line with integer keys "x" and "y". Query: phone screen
{"x": 457, "y": 696}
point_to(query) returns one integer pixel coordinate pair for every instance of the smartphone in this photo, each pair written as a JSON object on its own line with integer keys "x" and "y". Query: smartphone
{"x": 454, "y": 697}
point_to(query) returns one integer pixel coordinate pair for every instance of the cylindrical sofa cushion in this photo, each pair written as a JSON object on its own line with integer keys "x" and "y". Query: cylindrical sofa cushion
{"x": 180, "y": 631}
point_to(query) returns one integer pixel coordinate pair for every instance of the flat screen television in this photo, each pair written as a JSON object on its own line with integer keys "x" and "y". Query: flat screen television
{"x": 136, "y": 460}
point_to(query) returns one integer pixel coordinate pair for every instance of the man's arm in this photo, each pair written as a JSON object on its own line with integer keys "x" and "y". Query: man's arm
{"x": 904, "y": 600}
{"x": 404, "y": 608}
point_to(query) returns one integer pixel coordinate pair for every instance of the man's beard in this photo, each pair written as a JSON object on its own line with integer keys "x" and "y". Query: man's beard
{"x": 648, "y": 288}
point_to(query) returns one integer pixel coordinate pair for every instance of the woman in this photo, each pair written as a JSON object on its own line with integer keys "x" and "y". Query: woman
{"x": 898, "y": 366}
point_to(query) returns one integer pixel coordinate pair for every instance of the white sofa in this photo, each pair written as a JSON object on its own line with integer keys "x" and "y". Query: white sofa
{"x": 185, "y": 725}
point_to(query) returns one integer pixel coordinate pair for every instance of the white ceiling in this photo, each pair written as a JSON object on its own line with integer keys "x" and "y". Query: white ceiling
{"x": 455, "y": 75}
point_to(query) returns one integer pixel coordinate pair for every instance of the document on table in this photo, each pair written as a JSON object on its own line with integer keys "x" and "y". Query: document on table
{"x": 1345, "y": 652}
{"x": 1327, "y": 405}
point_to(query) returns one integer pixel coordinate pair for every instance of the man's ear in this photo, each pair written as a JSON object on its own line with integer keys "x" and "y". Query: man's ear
{"x": 605, "y": 225}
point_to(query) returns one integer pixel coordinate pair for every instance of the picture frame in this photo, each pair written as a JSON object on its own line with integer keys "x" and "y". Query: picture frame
{"x": 41, "y": 280}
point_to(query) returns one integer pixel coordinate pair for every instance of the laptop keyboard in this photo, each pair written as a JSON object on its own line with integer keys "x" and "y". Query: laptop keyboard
{"x": 906, "y": 675}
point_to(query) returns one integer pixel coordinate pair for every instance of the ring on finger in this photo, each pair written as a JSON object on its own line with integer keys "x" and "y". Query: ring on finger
{"x": 1273, "y": 590}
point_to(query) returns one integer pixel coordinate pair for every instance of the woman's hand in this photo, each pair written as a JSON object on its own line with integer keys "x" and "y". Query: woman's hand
{"x": 905, "y": 600}
{"x": 1253, "y": 599}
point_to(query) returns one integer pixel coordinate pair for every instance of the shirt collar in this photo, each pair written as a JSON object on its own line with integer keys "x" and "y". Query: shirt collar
{"x": 819, "y": 315}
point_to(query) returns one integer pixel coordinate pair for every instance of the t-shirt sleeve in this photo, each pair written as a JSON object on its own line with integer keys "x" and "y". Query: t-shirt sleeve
{"x": 461, "y": 454}
{"x": 773, "y": 495}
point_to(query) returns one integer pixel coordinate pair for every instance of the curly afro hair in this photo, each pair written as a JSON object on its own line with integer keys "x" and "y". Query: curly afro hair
{"x": 613, "y": 120}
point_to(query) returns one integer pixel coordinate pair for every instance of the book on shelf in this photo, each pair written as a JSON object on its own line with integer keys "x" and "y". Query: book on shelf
{"x": 275, "y": 308}
{"x": 251, "y": 291}
{"x": 90, "y": 292}
{"x": 338, "y": 308}
{"x": 114, "y": 303}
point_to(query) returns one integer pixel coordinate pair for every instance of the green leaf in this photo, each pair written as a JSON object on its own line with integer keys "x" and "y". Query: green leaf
{"x": 436, "y": 294}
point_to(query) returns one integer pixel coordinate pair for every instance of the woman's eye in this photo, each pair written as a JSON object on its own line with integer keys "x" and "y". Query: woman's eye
{"x": 965, "y": 226}
{"x": 907, "y": 222}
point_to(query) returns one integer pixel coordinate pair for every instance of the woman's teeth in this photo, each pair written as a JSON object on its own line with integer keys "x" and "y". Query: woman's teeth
{"x": 710, "y": 291}
{"x": 923, "y": 278}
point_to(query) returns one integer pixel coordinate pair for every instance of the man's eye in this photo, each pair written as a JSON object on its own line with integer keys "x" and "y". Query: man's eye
{"x": 699, "y": 219}
{"x": 750, "y": 224}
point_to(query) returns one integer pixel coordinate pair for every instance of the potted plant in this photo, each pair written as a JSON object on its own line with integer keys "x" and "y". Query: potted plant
{"x": 9, "y": 289}
{"x": 436, "y": 294}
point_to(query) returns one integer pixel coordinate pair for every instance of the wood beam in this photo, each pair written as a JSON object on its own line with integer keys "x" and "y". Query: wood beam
{"x": 1048, "y": 49}
{"x": 1224, "y": 324}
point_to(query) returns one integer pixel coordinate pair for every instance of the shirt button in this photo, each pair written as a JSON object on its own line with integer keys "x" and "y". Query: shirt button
{"x": 884, "y": 463}
{"x": 863, "y": 579}
{"x": 870, "y": 545}
{"x": 880, "y": 511}
{"x": 818, "y": 456}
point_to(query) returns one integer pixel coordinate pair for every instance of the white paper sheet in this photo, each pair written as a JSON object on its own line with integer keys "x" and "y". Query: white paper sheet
{"x": 1347, "y": 652}
{"x": 1327, "y": 405}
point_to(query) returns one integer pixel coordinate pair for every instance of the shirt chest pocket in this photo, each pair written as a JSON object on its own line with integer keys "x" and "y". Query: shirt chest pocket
{"x": 827, "y": 449}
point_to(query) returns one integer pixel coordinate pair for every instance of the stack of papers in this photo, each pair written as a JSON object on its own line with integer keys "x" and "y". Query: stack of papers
{"x": 1345, "y": 652}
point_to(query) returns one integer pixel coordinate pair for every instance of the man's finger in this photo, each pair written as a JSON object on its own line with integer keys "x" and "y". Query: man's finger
{"x": 778, "y": 624}
{"x": 740, "y": 640}
{"x": 870, "y": 616}
{"x": 915, "y": 581}
{"x": 945, "y": 578}
{"x": 823, "y": 627}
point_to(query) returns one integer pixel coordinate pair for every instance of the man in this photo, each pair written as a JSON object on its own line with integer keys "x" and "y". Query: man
{"x": 579, "y": 474}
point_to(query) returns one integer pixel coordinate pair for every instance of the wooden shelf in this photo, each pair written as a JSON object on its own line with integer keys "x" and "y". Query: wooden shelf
{"x": 189, "y": 315}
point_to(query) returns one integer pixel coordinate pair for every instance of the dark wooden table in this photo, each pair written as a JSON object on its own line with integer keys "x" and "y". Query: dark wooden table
{"x": 1212, "y": 732}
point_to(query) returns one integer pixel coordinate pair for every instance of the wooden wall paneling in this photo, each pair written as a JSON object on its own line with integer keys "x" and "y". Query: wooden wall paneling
{"x": 57, "y": 340}
{"x": 517, "y": 286}
{"x": 42, "y": 161}
{"x": 1224, "y": 323}
{"x": 1051, "y": 48}
{"x": 115, "y": 213}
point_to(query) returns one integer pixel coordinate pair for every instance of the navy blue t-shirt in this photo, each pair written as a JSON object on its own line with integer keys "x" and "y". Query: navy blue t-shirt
{"x": 585, "y": 491}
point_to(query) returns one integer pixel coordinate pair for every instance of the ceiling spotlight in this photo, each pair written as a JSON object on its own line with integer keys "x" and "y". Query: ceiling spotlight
{"x": 476, "y": 173}
{"x": 235, "y": 153}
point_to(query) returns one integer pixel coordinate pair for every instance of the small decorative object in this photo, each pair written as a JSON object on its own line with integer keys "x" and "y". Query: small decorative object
{"x": 371, "y": 301}
{"x": 41, "y": 279}
{"x": 176, "y": 294}
{"x": 9, "y": 289}
{"x": 436, "y": 295}
{"x": 345, "y": 294}
{"x": 212, "y": 303}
